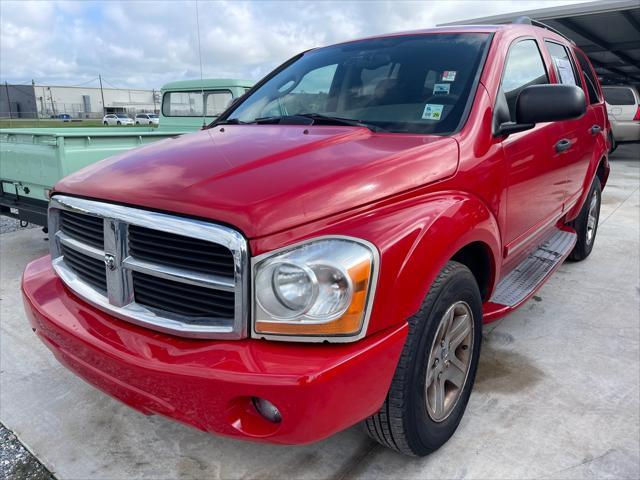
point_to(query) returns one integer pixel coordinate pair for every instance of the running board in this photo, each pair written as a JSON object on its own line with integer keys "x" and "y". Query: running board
{"x": 522, "y": 281}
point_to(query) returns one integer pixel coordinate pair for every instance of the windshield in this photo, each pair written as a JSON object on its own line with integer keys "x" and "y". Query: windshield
{"x": 193, "y": 104}
{"x": 121, "y": 115}
{"x": 410, "y": 83}
{"x": 153, "y": 115}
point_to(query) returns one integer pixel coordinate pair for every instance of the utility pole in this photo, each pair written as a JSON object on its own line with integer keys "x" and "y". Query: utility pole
{"x": 35, "y": 100}
{"x": 6, "y": 86}
{"x": 101, "y": 94}
{"x": 53, "y": 107}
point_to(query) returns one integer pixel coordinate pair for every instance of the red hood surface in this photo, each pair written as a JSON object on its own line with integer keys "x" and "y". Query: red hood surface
{"x": 267, "y": 178}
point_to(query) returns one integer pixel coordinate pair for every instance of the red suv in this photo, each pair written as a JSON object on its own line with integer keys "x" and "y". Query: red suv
{"x": 326, "y": 252}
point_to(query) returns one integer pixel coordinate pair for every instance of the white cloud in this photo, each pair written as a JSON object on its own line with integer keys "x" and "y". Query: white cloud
{"x": 145, "y": 44}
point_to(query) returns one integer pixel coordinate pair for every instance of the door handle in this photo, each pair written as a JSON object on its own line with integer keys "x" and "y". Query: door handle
{"x": 563, "y": 145}
{"x": 596, "y": 129}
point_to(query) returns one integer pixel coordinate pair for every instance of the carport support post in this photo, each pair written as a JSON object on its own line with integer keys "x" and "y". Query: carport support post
{"x": 101, "y": 94}
{"x": 6, "y": 86}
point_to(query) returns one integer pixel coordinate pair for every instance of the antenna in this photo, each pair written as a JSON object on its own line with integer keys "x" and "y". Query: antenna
{"x": 204, "y": 103}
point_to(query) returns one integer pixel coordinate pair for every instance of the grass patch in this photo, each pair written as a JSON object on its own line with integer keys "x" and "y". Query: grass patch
{"x": 34, "y": 123}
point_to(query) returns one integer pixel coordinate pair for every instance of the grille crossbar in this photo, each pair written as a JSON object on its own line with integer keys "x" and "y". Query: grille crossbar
{"x": 177, "y": 275}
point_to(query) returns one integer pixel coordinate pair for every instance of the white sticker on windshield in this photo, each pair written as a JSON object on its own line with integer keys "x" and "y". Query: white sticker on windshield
{"x": 432, "y": 111}
{"x": 449, "y": 76}
{"x": 441, "y": 88}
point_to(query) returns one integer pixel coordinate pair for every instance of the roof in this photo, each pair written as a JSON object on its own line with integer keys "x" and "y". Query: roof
{"x": 207, "y": 83}
{"x": 607, "y": 31}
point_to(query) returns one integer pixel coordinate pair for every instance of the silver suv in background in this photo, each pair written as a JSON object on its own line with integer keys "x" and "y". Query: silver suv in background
{"x": 623, "y": 107}
{"x": 147, "y": 119}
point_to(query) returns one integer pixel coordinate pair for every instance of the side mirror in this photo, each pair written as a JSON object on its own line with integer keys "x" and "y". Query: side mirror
{"x": 550, "y": 103}
{"x": 545, "y": 103}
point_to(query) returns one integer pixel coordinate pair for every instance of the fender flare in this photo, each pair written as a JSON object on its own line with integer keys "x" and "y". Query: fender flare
{"x": 594, "y": 166}
{"x": 465, "y": 219}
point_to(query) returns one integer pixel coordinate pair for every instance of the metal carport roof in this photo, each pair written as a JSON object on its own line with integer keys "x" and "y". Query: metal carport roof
{"x": 607, "y": 31}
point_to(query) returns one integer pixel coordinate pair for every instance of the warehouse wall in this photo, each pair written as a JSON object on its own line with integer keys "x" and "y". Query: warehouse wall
{"x": 22, "y": 101}
{"x": 55, "y": 99}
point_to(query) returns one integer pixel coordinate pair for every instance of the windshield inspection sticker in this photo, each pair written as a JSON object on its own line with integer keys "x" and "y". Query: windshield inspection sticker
{"x": 432, "y": 111}
{"x": 449, "y": 76}
{"x": 441, "y": 88}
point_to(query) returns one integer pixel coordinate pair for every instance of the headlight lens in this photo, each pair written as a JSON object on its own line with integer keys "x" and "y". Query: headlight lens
{"x": 318, "y": 288}
{"x": 293, "y": 286}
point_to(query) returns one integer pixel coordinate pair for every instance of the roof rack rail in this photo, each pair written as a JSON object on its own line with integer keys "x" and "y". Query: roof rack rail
{"x": 529, "y": 21}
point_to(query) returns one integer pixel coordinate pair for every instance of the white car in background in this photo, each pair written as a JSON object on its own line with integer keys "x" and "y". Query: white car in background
{"x": 623, "y": 107}
{"x": 117, "y": 119}
{"x": 147, "y": 119}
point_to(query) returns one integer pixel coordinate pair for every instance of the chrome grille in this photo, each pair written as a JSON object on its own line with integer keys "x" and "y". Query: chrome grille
{"x": 90, "y": 270}
{"x": 180, "y": 251}
{"x": 187, "y": 300}
{"x": 85, "y": 228}
{"x": 172, "y": 274}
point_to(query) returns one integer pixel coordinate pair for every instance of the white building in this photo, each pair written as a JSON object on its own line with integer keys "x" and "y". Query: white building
{"x": 86, "y": 102}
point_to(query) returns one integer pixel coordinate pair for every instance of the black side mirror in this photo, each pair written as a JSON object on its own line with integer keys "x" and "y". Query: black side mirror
{"x": 545, "y": 103}
{"x": 550, "y": 103}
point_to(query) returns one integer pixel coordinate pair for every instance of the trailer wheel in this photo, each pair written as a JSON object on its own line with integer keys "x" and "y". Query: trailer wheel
{"x": 435, "y": 374}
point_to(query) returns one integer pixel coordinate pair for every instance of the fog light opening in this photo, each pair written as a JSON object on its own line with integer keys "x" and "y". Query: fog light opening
{"x": 267, "y": 409}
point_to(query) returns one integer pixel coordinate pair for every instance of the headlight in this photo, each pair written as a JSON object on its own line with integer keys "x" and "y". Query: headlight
{"x": 322, "y": 288}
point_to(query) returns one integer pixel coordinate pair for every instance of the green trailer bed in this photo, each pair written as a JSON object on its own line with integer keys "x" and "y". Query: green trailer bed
{"x": 33, "y": 160}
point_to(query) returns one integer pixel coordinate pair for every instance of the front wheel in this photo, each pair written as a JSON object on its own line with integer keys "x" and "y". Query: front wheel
{"x": 435, "y": 374}
{"x": 119, "y": 123}
{"x": 586, "y": 224}
{"x": 105, "y": 124}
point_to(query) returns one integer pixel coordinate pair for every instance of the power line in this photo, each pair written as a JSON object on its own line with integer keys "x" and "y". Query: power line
{"x": 49, "y": 84}
{"x": 109, "y": 83}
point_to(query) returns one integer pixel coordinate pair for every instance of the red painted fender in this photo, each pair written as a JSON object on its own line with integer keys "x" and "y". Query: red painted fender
{"x": 415, "y": 236}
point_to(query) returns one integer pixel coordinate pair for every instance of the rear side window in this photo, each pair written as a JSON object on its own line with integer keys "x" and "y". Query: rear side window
{"x": 562, "y": 64}
{"x": 589, "y": 77}
{"x": 619, "y": 96}
{"x": 524, "y": 67}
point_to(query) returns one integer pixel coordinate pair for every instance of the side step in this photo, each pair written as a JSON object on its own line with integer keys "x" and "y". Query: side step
{"x": 525, "y": 278}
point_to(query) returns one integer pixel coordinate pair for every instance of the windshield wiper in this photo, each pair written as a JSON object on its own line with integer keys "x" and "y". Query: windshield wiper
{"x": 230, "y": 121}
{"x": 318, "y": 117}
{"x": 304, "y": 119}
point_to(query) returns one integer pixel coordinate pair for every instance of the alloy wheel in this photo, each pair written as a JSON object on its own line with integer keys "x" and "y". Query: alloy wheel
{"x": 449, "y": 361}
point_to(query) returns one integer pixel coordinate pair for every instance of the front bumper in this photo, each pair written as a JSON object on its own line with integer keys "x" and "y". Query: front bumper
{"x": 319, "y": 389}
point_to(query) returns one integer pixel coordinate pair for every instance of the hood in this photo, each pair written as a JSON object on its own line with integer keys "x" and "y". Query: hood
{"x": 266, "y": 178}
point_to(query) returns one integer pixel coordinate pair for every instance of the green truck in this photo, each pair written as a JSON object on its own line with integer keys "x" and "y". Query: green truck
{"x": 32, "y": 160}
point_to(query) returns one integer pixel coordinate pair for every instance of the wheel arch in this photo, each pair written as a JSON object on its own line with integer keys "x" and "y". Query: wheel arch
{"x": 477, "y": 257}
{"x": 598, "y": 169}
{"x": 467, "y": 232}
{"x": 602, "y": 172}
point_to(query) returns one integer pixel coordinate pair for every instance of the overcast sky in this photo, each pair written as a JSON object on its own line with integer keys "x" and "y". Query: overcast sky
{"x": 145, "y": 44}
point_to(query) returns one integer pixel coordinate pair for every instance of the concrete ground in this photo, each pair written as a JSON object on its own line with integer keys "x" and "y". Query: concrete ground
{"x": 557, "y": 394}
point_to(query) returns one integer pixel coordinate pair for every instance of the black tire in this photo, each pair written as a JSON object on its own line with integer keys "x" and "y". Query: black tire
{"x": 137, "y": 123}
{"x": 612, "y": 142}
{"x": 119, "y": 123}
{"x": 586, "y": 233}
{"x": 403, "y": 423}
{"x": 105, "y": 124}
